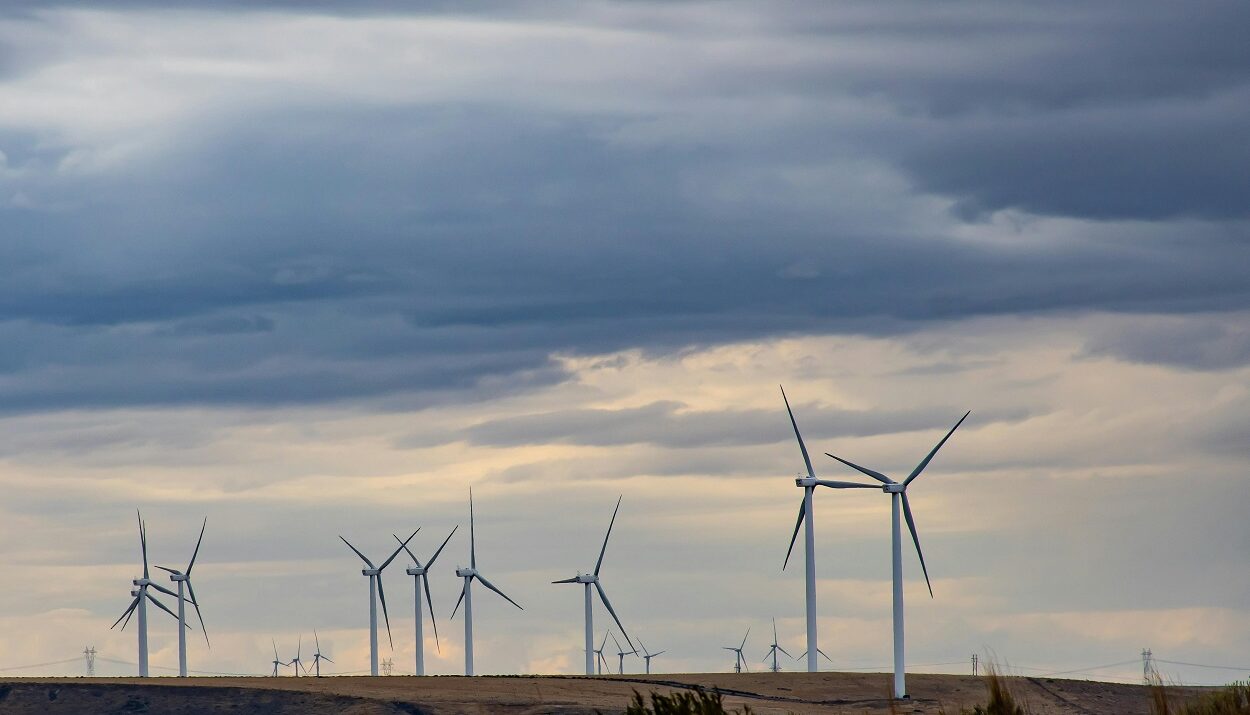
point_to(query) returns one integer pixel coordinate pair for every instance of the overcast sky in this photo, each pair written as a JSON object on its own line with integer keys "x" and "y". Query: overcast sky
{"x": 310, "y": 273}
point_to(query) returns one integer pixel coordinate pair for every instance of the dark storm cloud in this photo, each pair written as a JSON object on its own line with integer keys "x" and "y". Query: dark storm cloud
{"x": 322, "y": 249}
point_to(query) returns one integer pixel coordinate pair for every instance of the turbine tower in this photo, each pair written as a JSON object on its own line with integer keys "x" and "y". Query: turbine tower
{"x": 620, "y": 654}
{"x": 318, "y": 657}
{"x": 740, "y": 660}
{"x": 140, "y": 602}
{"x": 898, "y": 499}
{"x": 587, "y": 580}
{"x": 375, "y": 592}
{"x": 422, "y": 574}
{"x": 648, "y": 655}
{"x": 466, "y": 594}
{"x": 183, "y": 579}
{"x": 806, "y": 520}
{"x": 772, "y": 650}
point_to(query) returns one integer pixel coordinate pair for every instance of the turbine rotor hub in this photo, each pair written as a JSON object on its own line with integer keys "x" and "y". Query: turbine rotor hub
{"x": 894, "y": 488}
{"x": 416, "y": 571}
{"x": 587, "y": 578}
{"x": 371, "y": 572}
{"x": 465, "y": 573}
{"x": 804, "y": 482}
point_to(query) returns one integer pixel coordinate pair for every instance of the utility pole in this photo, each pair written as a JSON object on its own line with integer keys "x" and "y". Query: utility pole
{"x": 89, "y": 654}
{"x": 975, "y": 670}
{"x": 1149, "y": 676}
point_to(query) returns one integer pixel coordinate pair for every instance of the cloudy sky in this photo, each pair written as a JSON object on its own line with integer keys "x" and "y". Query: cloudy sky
{"x": 309, "y": 272}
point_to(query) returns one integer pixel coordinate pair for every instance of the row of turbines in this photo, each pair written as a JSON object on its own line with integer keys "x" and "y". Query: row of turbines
{"x": 590, "y": 582}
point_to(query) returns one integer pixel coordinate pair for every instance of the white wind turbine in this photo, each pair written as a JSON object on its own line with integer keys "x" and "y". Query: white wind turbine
{"x": 375, "y": 592}
{"x": 620, "y": 654}
{"x": 740, "y": 660}
{"x": 587, "y": 580}
{"x": 466, "y": 594}
{"x": 318, "y": 657}
{"x": 898, "y": 498}
{"x": 296, "y": 663}
{"x": 421, "y": 574}
{"x": 806, "y": 519}
{"x": 183, "y": 579}
{"x": 772, "y": 650}
{"x": 601, "y": 661}
{"x": 141, "y": 597}
{"x": 276, "y": 661}
{"x": 648, "y": 655}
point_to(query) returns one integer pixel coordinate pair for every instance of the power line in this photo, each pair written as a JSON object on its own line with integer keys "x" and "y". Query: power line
{"x": 1202, "y": 665}
{"x": 41, "y": 665}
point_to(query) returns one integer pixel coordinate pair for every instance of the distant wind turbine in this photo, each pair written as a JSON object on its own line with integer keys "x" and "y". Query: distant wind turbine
{"x": 648, "y": 655}
{"x": 140, "y": 602}
{"x": 806, "y": 519}
{"x": 183, "y": 579}
{"x": 276, "y": 661}
{"x": 421, "y": 574}
{"x": 740, "y": 660}
{"x": 898, "y": 497}
{"x": 822, "y": 654}
{"x": 602, "y": 661}
{"x": 295, "y": 663}
{"x": 620, "y": 654}
{"x": 375, "y": 592}
{"x": 772, "y": 650}
{"x": 587, "y": 580}
{"x": 317, "y": 656}
{"x": 466, "y": 594}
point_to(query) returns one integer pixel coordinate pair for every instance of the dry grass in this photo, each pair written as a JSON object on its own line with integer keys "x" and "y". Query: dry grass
{"x": 1232, "y": 700}
{"x": 697, "y": 703}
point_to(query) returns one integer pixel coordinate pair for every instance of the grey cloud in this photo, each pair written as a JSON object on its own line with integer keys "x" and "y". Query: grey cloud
{"x": 1194, "y": 343}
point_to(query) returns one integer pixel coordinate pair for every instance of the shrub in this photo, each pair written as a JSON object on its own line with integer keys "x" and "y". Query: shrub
{"x": 697, "y": 703}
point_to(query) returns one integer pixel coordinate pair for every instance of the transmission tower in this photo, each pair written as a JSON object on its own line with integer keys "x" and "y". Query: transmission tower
{"x": 89, "y": 654}
{"x": 975, "y": 669}
{"x": 1149, "y": 675}
{"x": 387, "y": 666}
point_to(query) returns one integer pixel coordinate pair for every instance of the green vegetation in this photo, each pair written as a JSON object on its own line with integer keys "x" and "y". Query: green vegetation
{"x": 697, "y": 703}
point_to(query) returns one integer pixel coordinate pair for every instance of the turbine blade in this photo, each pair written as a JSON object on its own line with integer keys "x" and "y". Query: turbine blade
{"x": 402, "y": 545}
{"x": 430, "y": 602}
{"x": 823, "y": 653}
{"x": 599, "y": 563}
{"x": 491, "y": 586}
{"x": 845, "y": 485}
{"x": 163, "y": 607}
{"x": 126, "y": 614}
{"x": 415, "y": 560}
{"x": 605, "y": 640}
{"x": 459, "y": 600}
{"x": 166, "y": 568}
{"x": 920, "y": 467}
{"x": 362, "y": 556}
{"x": 472, "y": 534}
{"x": 863, "y": 470}
{"x": 783, "y": 650}
{"x": 567, "y": 580}
{"x": 774, "y": 631}
{"x": 326, "y": 659}
{"x": 163, "y": 590}
{"x": 143, "y": 542}
{"x": 317, "y": 640}
{"x": 299, "y": 648}
{"x": 614, "y": 640}
{"x": 603, "y": 596}
{"x": 197, "y": 546}
{"x": 744, "y": 639}
{"x": 275, "y": 648}
{"x": 199, "y": 615}
{"x": 385, "y": 616}
{"x": 807, "y": 460}
{"x": 794, "y": 537}
{"x": 911, "y": 526}
{"x": 660, "y": 653}
{"x": 440, "y": 548}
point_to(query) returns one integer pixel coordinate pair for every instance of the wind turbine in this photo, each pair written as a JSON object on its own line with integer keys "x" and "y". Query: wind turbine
{"x": 318, "y": 657}
{"x": 375, "y": 591}
{"x": 740, "y": 660}
{"x": 141, "y": 597}
{"x": 276, "y": 661}
{"x": 599, "y": 653}
{"x": 648, "y": 655}
{"x": 183, "y": 579}
{"x": 772, "y": 650}
{"x": 822, "y": 654}
{"x": 295, "y": 662}
{"x": 421, "y": 573}
{"x": 898, "y": 498}
{"x": 620, "y": 654}
{"x": 806, "y": 519}
{"x": 466, "y": 594}
{"x": 587, "y": 580}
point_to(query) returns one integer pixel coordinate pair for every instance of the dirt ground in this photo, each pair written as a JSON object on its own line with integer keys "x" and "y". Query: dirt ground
{"x": 765, "y": 693}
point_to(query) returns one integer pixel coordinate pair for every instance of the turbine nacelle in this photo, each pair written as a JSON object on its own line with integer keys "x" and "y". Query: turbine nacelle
{"x": 371, "y": 572}
{"x": 141, "y": 581}
{"x": 894, "y": 488}
{"x": 804, "y": 482}
{"x": 178, "y": 576}
{"x": 466, "y": 573}
{"x": 415, "y": 571}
